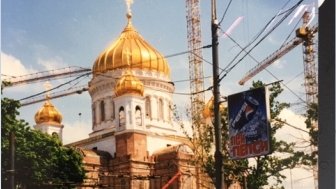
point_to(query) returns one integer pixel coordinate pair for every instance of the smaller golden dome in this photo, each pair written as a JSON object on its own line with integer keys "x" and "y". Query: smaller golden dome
{"x": 128, "y": 84}
{"x": 208, "y": 110}
{"x": 48, "y": 114}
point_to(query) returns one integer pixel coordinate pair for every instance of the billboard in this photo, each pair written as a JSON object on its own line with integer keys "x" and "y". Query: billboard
{"x": 249, "y": 129}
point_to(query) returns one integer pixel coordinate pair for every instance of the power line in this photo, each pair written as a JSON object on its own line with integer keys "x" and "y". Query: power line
{"x": 186, "y": 52}
{"x": 299, "y": 74}
{"x": 227, "y": 70}
{"x": 43, "y": 92}
{"x": 77, "y": 82}
{"x": 249, "y": 54}
{"x": 287, "y": 13}
{"x": 221, "y": 20}
{"x": 207, "y": 61}
{"x": 151, "y": 79}
{"x": 168, "y": 56}
{"x": 292, "y": 126}
{"x": 44, "y": 74}
{"x": 294, "y": 28}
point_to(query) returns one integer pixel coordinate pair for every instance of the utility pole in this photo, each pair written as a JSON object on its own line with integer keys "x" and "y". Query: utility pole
{"x": 216, "y": 94}
{"x": 12, "y": 160}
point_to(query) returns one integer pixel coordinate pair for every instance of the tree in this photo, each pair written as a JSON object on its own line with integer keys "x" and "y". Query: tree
{"x": 202, "y": 142}
{"x": 310, "y": 157}
{"x": 40, "y": 159}
{"x": 283, "y": 157}
{"x": 263, "y": 168}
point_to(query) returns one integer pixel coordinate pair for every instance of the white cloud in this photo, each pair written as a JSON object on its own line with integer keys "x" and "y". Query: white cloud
{"x": 52, "y": 63}
{"x": 298, "y": 178}
{"x": 279, "y": 63}
{"x": 12, "y": 66}
{"x": 289, "y": 133}
{"x": 272, "y": 40}
{"x": 75, "y": 131}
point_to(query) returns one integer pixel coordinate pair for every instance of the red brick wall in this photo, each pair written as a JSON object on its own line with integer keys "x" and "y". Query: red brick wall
{"x": 133, "y": 144}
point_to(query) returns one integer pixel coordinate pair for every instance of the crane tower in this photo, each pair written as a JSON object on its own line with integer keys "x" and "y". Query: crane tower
{"x": 195, "y": 57}
{"x": 310, "y": 76}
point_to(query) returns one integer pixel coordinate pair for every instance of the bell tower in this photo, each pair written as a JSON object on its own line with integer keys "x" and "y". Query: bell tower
{"x": 131, "y": 139}
{"x": 48, "y": 119}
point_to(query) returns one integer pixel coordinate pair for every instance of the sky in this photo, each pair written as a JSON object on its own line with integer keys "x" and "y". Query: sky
{"x": 41, "y": 35}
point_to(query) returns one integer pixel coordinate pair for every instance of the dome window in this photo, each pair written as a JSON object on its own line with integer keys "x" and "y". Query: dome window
{"x": 102, "y": 110}
{"x": 93, "y": 115}
{"x": 122, "y": 117}
{"x": 112, "y": 110}
{"x": 148, "y": 107}
{"x": 138, "y": 116}
{"x": 160, "y": 109}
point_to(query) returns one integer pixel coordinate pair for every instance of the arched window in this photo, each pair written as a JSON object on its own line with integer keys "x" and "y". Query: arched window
{"x": 148, "y": 107}
{"x": 55, "y": 135}
{"x": 138, "y": 116}
{"x": 122, "y": 118}
{"x": 112, "y": 110}
{"x": 170, "y": 110}
{"x": 102, "y": 111}
{"x": 93, "y": 115}
{"x": 160, "y": 109}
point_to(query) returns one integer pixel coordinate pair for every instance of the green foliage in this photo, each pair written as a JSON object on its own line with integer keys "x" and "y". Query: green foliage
{"x": 202, "y": 141}
{"x": 258, "y": 171}
{"x": 270, "y": 166}
{"x": 233, "y": 169}
{"x": 40, "y": 159}
{"x": 310, "y": 159}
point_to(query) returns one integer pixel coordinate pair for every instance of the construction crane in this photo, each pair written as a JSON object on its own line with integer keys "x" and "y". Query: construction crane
{"x": 195, "y": 57}
{"x": 310, "y": 76}
{"x": 195, "y": 65}
{"x": 45, "y": 75}
{"x": 71, "y": 91}
{"x": 310, "y": 82}
{"x": 271, "y": 59}
{"x": 284, "y": 49}
{"x": 306, "y": 36}
{"x": 49, "y": 75}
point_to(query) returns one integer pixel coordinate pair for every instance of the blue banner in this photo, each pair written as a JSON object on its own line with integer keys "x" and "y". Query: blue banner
{"x": 249, "y": 129}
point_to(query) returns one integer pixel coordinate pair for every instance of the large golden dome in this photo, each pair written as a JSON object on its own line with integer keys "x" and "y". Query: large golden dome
{"x": 131, "y": 50}
{"x": 128, "y": 84}
{"x": 48, "y": 114}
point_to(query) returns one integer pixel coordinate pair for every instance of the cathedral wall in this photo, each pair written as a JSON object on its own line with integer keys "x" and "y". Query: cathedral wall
{"x": 106, "y": 144}
{"x": 157, "y": 143}
{"x": 133, "y": 145}
{"x": 157, "y": 96}
{"x": 50, "y": 129}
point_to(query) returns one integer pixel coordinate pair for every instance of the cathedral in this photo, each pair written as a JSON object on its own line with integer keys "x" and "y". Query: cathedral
{"x": 134, "y": 141}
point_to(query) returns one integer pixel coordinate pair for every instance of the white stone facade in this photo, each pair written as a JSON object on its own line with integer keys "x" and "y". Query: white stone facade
{"x": 50, "y": 129}
{"x": 150, "y": 114}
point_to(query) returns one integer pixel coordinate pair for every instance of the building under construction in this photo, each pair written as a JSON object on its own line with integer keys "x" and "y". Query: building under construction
{"x": 134, "y": 141}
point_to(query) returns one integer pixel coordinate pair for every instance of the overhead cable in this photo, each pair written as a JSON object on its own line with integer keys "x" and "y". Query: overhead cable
{"x": 287, "y": 13}
{"x": 227, "y": 7}
{"x": 227, "y": 69}
{"x": 43, "y": 92}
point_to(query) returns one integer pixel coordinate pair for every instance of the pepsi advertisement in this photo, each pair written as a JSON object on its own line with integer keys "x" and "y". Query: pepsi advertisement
{"x": 249, "y": 129}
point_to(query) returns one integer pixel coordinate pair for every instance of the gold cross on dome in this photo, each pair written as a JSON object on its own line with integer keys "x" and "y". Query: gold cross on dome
{"x": 128, "y": 57}
{"x": 47, "y": 86}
